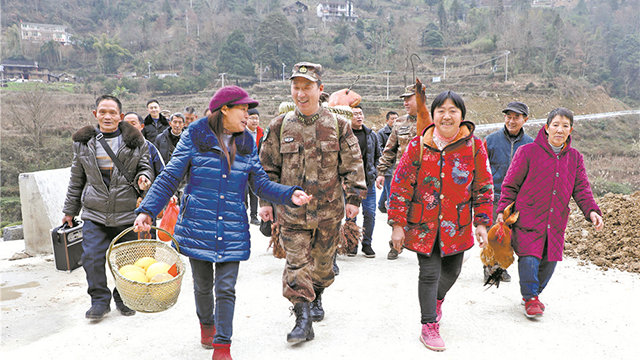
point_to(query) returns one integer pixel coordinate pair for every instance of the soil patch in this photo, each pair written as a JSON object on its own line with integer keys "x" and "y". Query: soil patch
{"x": 618, "y": 244}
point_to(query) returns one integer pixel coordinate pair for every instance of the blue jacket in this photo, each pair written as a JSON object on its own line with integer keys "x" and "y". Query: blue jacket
{"x": 212, "y": 223}
{"x": 157, "y": 163}
{"x": 501, "y": 148}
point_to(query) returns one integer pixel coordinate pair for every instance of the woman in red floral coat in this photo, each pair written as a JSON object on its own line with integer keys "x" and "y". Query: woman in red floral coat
{"x": 437, "y": 195}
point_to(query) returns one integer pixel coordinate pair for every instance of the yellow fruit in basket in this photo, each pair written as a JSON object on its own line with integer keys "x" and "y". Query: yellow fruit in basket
{"x": 157, "y": 268}
{"x": 161, "y": 277}
{"x": 127, "y": 268}
{"x": 136, "y": 275}
{"x": 145, "y": 262}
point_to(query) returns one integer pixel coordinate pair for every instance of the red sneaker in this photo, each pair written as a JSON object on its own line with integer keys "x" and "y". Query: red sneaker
{"x": 533, "y": 307}
{"x": 524, "y": 302}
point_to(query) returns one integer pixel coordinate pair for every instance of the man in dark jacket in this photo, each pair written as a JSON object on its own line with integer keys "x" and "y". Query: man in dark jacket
{"x": 168, "y": 139}
{"x": 501, "y": 146}
{"x": 383, "y": 136}
{"x": 370, "y": 151}
{"x": 106, "y": 197}
{"x": 157, "y": 163}
{"x": 257, "y": 133}
{"x": 155, "y": 123}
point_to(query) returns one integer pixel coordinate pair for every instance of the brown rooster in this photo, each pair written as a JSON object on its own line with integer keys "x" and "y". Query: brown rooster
{"x": 424, "y": 118}
{"x": 498, "y": 252}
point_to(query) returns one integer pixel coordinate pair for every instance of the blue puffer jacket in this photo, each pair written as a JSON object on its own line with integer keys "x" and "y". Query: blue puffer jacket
{"x": 500, "y": 149}
{"x": 212, "y": 223}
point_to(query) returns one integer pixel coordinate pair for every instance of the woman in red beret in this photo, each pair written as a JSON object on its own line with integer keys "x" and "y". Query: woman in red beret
{"x": 219, "y": 157}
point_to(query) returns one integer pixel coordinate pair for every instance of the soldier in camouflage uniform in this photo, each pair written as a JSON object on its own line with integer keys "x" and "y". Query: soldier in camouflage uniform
{"x": 317, "y": 150}
{"x": 404, "y": 129}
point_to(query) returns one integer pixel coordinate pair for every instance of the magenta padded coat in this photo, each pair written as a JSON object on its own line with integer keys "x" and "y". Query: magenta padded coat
{"x": 442, "y": 195}
{"x": 541, "y": 183}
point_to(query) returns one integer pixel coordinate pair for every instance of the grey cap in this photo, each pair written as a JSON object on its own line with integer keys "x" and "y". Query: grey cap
{"x": 517, "y": 107}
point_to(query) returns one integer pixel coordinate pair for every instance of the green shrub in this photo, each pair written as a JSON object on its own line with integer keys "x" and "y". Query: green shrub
{"x": 601, "y": 186}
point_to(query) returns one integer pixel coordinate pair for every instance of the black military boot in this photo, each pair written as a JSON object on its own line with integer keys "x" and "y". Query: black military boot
{"x": 317, "y": 312}
{"x": 303, "y": 331}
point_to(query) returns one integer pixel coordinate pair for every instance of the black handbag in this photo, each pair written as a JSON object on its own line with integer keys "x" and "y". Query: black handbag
{"x": 265, "y": 227}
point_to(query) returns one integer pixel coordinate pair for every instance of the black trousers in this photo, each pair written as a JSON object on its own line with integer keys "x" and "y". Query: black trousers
{"x": 437, "y": 276}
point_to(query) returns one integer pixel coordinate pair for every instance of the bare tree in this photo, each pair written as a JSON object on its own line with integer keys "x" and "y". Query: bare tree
{"x": 33, "y": 112}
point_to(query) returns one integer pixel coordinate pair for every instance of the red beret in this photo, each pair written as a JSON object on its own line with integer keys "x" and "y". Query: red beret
{"x": 231, "y": 95}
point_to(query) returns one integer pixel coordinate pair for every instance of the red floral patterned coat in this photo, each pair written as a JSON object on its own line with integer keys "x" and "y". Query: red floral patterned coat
{"x": 439, "y": 196}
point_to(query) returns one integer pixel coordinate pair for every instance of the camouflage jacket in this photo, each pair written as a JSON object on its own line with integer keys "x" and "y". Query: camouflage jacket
{"x": 404, "y": 129}
{"x": 310, "y": 152}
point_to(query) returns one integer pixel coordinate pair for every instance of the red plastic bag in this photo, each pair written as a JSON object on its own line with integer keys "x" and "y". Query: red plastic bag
{"x": 168, "y": 221}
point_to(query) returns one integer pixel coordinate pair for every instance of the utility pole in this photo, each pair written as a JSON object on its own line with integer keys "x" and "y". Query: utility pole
{"x": 261, "y": 73}
{"x": 222, "y": 75}
{"x": 506, "y": 64}
{"x": 186, "y": 16}
{"x": 149, "y": 62}
{"x": 283, "y": 72}
{"x": 388, "y": 83}
{"x": 444, "y": 74}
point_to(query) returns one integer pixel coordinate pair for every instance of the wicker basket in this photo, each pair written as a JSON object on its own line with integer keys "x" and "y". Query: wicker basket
{"x": 145, "y": 297}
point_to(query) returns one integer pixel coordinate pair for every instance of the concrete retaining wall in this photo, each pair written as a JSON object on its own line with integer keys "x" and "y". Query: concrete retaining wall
{"x": 42, "y": 196}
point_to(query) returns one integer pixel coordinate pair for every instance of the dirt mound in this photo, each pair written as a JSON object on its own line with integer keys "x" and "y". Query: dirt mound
{"x": 618, "y": 244}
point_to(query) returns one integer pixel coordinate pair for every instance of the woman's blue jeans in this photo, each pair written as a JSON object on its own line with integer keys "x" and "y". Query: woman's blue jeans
{"x": 535, "y": 273}
{"x": 224, "y": 282}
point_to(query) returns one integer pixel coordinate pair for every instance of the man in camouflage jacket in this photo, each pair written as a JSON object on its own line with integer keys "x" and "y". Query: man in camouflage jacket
{"x": 404, "y": 129}
{"x": 317, "y": 150}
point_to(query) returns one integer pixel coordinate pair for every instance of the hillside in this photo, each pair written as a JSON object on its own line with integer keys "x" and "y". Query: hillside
{"x": 466, "y": 43}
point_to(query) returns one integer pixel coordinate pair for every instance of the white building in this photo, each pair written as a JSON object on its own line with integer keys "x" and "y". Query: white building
{"x": 329, "y": 11}
{"x": 44, "y": 32}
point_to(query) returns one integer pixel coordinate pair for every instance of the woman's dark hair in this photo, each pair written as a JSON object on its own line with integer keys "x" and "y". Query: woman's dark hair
{"x": 217, "y": 126}
{"x": 140, "y": 119}
{"x": 562, "y": 112}
{"x": 443, "y": 96}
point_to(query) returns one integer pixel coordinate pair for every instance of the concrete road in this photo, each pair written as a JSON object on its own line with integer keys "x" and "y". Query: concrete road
{"x": 372, "y": 313}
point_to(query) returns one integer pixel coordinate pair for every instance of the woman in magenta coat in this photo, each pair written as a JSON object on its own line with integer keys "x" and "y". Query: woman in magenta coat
{"x": 542, "y": 178}
{"x": 442, "y": 187}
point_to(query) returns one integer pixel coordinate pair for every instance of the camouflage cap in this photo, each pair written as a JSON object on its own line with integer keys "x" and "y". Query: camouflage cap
{"x": 308, "y": 71}
{"x": 409, "y": 91}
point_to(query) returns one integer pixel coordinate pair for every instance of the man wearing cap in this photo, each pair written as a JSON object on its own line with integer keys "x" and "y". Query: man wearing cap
{"x": 317, "y": 150}
{"x": 501, "y": 146}
{"x": 404, "y": 129}
{"x": 256, "y": 132}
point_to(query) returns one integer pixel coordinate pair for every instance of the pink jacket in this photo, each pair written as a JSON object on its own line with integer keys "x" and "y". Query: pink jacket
{"x": 541, "y": 183}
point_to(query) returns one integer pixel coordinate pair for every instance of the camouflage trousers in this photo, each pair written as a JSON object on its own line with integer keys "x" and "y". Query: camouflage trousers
{"x": 309, "y": 265}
